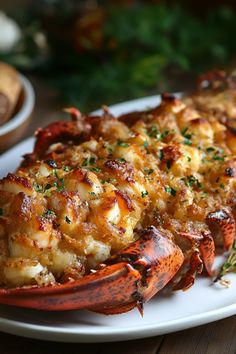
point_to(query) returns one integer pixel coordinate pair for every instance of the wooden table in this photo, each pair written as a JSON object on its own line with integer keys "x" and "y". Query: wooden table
{"x": 217, "y": 337}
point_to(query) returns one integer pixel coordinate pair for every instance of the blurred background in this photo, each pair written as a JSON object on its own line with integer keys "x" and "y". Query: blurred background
{"x": 87, "y": 53}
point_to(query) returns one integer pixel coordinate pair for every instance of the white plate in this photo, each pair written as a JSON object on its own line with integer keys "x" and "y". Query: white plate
{"x": 203, "y": 303}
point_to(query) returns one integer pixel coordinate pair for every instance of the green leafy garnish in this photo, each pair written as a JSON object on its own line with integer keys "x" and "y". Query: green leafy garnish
{"x": 164, "y": 134}
{"x": 144, "y": 194}
{"x": 67, "y": 168}
{"x": 229, "y": 265}
{"x": 60, "y": 183}
{"x": 38, "y": 188}
{"x": 153, "y": 132}
{"x": 67, "y": 220}
{"x": 191, "y": 181}
{"x": 48, "y": 212}
{"x": 148, "y": 171}
{"x": 122, "y": 144}
{"x": 170, "y": 190}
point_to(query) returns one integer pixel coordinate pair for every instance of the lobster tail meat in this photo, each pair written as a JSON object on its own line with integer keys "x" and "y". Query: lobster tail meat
{"x": 126, "y": 280}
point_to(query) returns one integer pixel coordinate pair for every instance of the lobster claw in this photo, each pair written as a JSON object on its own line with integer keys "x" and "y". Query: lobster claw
{"x": 127, "y": 280}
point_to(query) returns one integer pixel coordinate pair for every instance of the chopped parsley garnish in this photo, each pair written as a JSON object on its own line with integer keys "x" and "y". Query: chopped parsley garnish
{"x": 48, "y": 186}
{"x": 164, "y": 134}
{"x": 153, "y": 132}
{"x": 170, "y": 190}
{"x": 60, "y": 183}
{"x": 67, "y": 220}
{"x": 144, "y": 194}
{"x": 187, "y": 142}
{"x": 92, "y": 193}
{"x": 48, "y": 212}
{"x": 222, "y": 186}
{"x": 161, "y": 154}
{"x": 145, "y": 144}
{"x": 85, "y": 162}
{"x": 95, "y": 169}
{"x": 218, "y": 158}
{"x": 122, "y": 159}
{"x": 168, "y": 164}
{"x": 210, "y": 149}
{"x": 189, "y": 158}
{"x": 38, "y": 188}
{"x": 1, "y": 212}
{"x": 148, "y": 171}
{"x": 191, "y": 181}
{"x": 67, "y": 168}
{"x": 187, "y": 136}
{"x": 122, "y": 144}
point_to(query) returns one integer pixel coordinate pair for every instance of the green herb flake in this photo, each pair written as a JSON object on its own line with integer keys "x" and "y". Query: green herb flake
{"x": 164, "y": 134}
{"x": 92, "y": 193}
{"x": 122, "y": 159}
{"x": 191, "y": 181}
{"x": 218, "y": 158}
{"x": 85, "y": 162}
{"x": 48, "y": 212}
{"x": 67, "y": 168}
{"x": 168, "y": 164}
{"x": 153, "y": 132}
{"x": 95, "y": 169}
{"x": 122, "y": 144}
{"x": 145, "y": 144}
{"x": 67, "y": 220}
{"x": 210, "y": 149}
{"x": 60, "y": 183}
{"x": 189, "y": 159}
{"x": 187, "y": 142}
{"x": 170, "y": 190}
{"x": 48, "y": 186}
{"x": 222, "y": 186}
{"x": 161, "y": 155}
{"x": 148, "y": 171}
{"x": 38, "y": 188}
{"x": 144, "y": 194}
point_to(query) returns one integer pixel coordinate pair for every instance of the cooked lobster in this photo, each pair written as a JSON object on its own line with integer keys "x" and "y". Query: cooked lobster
{"x": 107, "y": 211}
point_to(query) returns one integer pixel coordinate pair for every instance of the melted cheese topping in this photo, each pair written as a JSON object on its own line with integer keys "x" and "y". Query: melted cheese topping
{"x": 81, "y": 203}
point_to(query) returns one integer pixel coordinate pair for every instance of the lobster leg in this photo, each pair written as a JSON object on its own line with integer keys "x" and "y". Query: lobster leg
{"x": 130, "y": 278}
{"x": 195, "y": 267}
{"x": 203, "y": 253}
{"x": 222, "y": 225}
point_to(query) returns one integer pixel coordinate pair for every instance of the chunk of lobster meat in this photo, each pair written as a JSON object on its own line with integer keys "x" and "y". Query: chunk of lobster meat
{"x": 126, "y": 280}
{"x": 222, "y": 226}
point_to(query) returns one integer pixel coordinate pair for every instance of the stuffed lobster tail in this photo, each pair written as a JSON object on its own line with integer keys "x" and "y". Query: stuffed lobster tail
{"x": 126, "y": 280}
{"x": 106, "y": 211}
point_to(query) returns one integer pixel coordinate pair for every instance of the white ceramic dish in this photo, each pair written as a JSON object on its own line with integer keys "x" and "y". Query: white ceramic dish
{"x": 13, "y": 130}
{"x": 167, "y": 312}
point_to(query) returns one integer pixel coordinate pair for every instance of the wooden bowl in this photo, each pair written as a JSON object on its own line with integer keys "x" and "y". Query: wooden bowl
{"x": 13, "y": 130}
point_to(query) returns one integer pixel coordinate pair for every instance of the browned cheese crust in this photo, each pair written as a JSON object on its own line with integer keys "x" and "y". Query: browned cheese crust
{"x": 79, "y": 203}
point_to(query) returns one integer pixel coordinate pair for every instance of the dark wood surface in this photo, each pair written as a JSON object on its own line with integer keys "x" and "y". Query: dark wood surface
{"x": 217, "y": 337}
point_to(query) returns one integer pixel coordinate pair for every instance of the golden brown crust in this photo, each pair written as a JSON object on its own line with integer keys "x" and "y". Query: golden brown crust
{"x": 78, "y": 203}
